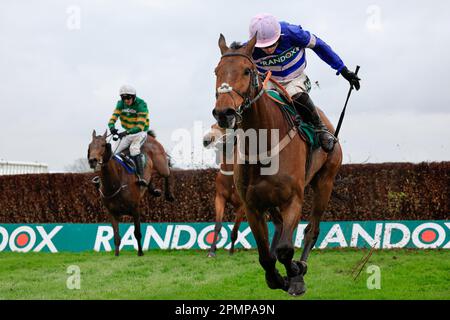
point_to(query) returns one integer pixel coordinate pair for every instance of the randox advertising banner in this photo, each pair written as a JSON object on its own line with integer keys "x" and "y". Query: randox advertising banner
{"x": 67, "y": 237}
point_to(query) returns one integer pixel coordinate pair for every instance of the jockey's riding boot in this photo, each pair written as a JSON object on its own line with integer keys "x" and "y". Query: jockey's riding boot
{"x": 326, "y": 138}
{"x": 139, "y": 160}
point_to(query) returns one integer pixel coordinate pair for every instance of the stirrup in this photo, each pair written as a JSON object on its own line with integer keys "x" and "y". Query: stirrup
{"x": 327, "y": 145}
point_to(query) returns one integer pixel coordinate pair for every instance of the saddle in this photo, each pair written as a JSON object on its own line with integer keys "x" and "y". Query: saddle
{"x": 277, "y": 93}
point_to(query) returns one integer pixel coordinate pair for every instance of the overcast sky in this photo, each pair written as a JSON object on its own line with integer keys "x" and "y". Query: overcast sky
{"x": 62, "y": 63}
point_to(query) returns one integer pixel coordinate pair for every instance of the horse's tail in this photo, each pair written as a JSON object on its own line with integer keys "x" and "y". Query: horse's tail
{"x": 151, "y": 133}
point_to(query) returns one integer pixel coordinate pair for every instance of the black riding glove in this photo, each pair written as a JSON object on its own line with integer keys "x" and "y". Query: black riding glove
{"x": 113, "y": 130}
{"x": 351, "y": 77}
{"x": 122, "y": 134}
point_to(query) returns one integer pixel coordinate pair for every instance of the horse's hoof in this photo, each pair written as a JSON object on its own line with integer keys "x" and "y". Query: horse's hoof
{"x": 276, "y": 281}
{"x": 155, "y": 192}
{"x": 211, "y": 254}
{"x": 140, "y": 254}
{"x": 231, "y": 252}
{"x": 297, "y": 286}
{"x": 303, "y": 267}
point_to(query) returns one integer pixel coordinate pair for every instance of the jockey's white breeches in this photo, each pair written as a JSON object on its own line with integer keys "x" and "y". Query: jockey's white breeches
{"x": 134, "y": 141}
{"x": 297, "y": 85}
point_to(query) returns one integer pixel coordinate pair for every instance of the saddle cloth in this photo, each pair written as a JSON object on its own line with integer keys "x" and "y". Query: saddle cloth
{"x": 306, "y": 130}
{"x": 126, "y": 162}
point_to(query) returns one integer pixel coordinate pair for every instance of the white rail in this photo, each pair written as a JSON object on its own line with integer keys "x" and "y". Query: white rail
{"x": 19, "y": 167}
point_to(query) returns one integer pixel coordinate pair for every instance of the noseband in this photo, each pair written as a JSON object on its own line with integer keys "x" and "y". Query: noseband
{"x": 254, "y": 84}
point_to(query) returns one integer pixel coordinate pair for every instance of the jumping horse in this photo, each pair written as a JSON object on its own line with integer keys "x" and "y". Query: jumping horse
{"x": 118, "y": 188}
{"x": 225, "y": 189}
{"x": 241, "y": 101}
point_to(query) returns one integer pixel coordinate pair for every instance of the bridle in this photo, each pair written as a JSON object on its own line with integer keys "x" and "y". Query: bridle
{"x": 102, "y": 164}
{"x": 253, "y": 85}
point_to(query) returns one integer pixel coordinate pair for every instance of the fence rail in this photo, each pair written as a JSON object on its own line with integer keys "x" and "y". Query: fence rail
{"x": 18, "y": 167}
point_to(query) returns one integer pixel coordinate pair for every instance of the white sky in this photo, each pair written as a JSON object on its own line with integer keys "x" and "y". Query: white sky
{"x": 59, "y": 82}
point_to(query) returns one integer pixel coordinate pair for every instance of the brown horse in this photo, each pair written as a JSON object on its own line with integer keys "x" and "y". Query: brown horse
{"x": 241, "y": 101}
{"x": 119, "y": 191}
{"x": 225, "y": 189}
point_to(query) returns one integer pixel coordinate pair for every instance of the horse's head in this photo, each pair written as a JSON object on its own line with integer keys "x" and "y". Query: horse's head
{"x": 213, "y": 135}
{"x": 236, "y": 81}
{"x": 99, "y": 150}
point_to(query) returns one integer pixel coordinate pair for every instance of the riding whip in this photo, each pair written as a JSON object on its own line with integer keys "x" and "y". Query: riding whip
{"x": 341, "y": 118}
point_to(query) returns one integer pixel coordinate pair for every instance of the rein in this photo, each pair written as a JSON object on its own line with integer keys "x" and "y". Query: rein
{"x": 103, "y": 164}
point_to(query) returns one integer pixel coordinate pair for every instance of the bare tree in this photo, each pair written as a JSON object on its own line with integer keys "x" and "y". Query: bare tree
{"x": 79, "y": 166}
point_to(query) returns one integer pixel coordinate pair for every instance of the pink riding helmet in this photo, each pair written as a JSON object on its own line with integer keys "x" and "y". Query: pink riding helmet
{"x": 268, "y": 28}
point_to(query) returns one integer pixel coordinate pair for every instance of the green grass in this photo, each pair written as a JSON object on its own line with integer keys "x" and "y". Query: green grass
{"x": 405, "y": 274}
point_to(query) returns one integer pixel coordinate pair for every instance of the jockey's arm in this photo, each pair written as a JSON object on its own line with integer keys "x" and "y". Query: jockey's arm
{"x": 327, "y": 54}
{"x": 114, "y": 118}
{"x": 306, "y": 39}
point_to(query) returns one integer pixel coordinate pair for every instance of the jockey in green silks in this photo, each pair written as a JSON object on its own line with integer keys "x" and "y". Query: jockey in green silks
{"x": 133, "y": 114}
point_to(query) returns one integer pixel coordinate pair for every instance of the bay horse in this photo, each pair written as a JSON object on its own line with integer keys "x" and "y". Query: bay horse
{"x": 225, "y": 189}
{"x": 241, "y": 101}
{"x": 118, "y": 188}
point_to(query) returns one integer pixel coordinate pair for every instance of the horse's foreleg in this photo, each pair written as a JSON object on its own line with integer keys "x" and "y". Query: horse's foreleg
{"x": 219, "y": 204}
{"x": 137, "y": 231}
{"x": 258, "y": 226}
{"x": 240, "y": 212}
{"x": 115, "y": 225}
{"x": 285, "y": 248}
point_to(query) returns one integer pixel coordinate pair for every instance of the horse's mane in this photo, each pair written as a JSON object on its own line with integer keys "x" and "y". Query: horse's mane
{"x": 151, "y": 133}
{"x": 236, "y": 45}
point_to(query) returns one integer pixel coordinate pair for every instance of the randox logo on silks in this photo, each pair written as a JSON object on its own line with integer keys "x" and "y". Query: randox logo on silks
{"x": 99, "y": 237}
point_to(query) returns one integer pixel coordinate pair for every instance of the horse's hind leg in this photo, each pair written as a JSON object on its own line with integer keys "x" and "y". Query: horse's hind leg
{"x": 322, "y": 186}
{"x": 137, "y": 232}
{"x": 258, "y": 226}
{"x": 219, "y": 204}
{"x": 161, "y": 165}
{"x": 168, "y": 183}
{"x": 240, "y": 212}
{"x": 115, "y": 225}
{"x": 276, "y": 219}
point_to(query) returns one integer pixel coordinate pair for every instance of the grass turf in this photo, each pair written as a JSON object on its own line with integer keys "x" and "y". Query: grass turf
{"x": 405, "y": 274}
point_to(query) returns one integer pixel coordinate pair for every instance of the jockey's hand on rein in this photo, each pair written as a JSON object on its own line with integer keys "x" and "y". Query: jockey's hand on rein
{"x": 122, "y": 134}
{"x": 351, "y": 77}
{"x": 113, "y": 130}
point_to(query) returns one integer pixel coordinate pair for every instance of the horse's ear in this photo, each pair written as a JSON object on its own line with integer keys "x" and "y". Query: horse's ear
{"x": 222, "y": 44}
{"x": 104, "y": 135}
{"x": 251, "y": 45}
{"x": 94, "y": 134}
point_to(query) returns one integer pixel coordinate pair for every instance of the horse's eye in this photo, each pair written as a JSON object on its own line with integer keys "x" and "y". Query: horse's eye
{"x": 247, "y": 71}
{"x": 104, "y": 145}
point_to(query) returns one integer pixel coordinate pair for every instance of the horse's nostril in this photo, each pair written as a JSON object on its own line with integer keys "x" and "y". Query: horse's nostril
{"x": 230, "y": 112}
